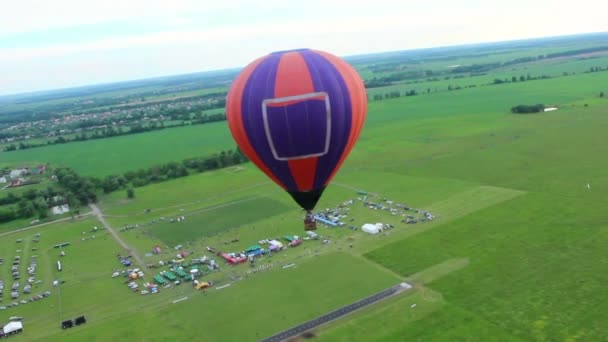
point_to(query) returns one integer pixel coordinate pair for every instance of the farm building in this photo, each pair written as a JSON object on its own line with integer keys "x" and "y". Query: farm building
{"x": 16, "y": 173}
{"x": 38, "y": 170}
{"x": 16, "y": 182}
{"x": 60, "y": 209}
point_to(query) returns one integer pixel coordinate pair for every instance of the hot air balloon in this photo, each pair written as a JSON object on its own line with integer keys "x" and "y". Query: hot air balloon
{"x": 297, "y": 115}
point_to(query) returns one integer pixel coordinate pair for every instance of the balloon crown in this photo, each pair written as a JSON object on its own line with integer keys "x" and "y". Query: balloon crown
{"x": 292, "y": 50}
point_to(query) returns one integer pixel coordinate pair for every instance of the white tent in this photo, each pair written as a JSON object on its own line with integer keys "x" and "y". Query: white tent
{"x": 275, "y": 242}
{"x": 370, "y": 228}
{"x": 12, "y": 326}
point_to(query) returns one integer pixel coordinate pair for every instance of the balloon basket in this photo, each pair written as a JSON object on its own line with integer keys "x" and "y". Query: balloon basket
{"x": 310, "y": 226}
{"x": 310, "y": 223}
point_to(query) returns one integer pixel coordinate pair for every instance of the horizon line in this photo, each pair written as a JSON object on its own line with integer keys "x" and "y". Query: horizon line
{"x": 236, "y": 68}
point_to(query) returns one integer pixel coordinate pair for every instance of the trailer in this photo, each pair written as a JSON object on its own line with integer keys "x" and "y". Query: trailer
{"x": 11, "y": 328}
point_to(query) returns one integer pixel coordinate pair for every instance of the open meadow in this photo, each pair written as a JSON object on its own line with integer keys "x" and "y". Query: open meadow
{"x": 514, "y": 250}
{"x": 131, "y": 152}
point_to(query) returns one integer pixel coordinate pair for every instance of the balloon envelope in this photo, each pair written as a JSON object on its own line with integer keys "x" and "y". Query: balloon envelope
{"x": 297, "y": 115}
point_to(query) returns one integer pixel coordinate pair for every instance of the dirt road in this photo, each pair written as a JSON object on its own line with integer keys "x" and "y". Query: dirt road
{"x": 97, "y": 212}
{"x": 43, "y": 224}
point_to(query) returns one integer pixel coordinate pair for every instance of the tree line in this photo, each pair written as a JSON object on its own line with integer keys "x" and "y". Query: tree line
{"x": 526, "y": 109}
{"x": 172, "y": 170}
{"x": 33, "y": 203}
{"x": 77, "y": 190}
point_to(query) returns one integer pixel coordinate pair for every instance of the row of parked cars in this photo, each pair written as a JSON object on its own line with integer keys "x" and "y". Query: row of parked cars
{"x": 31, "y": 270}
{"x": 33, "y": 299}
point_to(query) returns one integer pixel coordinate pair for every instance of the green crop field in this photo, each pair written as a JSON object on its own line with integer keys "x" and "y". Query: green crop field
{"x": 514, "y": 252}
{"x": 216, "y": 219}
{"x": 131, "y": 152}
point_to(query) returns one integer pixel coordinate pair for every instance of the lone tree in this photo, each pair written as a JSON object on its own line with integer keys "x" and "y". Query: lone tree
{"x": 130, "y": 193}
{"x": 602, "y": 94}
{"x": 524, "y": 109}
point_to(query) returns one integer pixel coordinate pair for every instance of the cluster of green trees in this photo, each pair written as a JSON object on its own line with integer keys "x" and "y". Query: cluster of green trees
{"x": 172, "y": 170}
{"x": 84, "y": 189}
{"x": 33, "y": 203}
{"x": 576, "y": 52}
{"x": 521, "y": 78}
{"x": 394, "y": 94}
{"x": 596, "y": 69}
{"x": 475, "y": 68}
{"x": 525, "y": 109}
{"x": 398, "y": 75}
{"x": 77, "y": 190}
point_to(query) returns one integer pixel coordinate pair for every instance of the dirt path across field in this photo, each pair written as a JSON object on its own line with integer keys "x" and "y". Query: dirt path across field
{"x": 97, "y": 212}
{"x": 43, "y": 224}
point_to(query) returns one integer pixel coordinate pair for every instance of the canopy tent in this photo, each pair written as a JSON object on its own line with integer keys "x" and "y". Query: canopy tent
{"x": 12, "y": 326}
{"x": 252, "y": 248}
{"x": 370, "y": 228}
{"x": 276, "y": 243}
{"x": 326, "y": 221}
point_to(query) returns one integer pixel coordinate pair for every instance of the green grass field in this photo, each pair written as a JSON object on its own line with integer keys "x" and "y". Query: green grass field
{"x": 424, "y": 115}
{"x": 209, "y": 222}
{"x": 131, "y": 152}
{"x": 535, "y": 261}
{"x": 85, "y": 272}
{"x": 515, "y": 251}
{"x": 275, "y": 301}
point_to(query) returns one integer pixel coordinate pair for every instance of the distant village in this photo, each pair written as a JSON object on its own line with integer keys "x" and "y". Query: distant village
{"x": 118, "y": 116}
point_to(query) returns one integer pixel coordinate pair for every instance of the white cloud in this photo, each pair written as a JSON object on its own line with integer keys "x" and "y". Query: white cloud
{"x": 214, "y": 34}
{"x": 38, "y": 15}
{"x": 407, "y": 30}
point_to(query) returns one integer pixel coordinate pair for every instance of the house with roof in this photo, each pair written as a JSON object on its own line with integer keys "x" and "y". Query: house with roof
{"x": 16, "y": 182}
{"x": 60, "y": 209}
{"x": 38, "y": 170}
{"x": 16, "y": 173}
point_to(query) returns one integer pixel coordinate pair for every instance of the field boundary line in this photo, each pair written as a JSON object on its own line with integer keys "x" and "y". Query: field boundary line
{"x": 381, "y": 267}
{"x": 208, "y": 199}
{"x": 45, "y": 224}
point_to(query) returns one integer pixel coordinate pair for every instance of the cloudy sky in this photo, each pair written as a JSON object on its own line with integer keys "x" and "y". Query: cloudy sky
{"x": 61, "y": 43}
